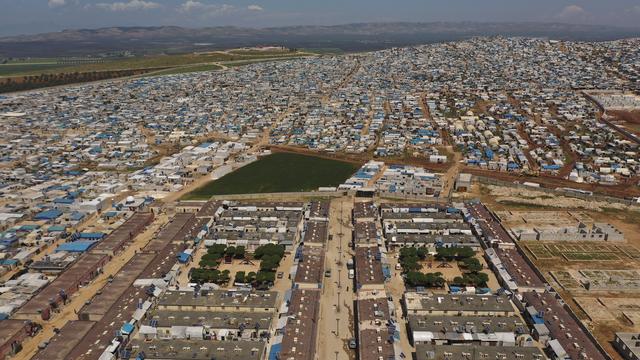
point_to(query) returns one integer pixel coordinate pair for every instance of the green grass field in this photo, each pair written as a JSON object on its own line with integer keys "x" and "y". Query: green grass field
{"x": 280, "y": 172}
{"x": 19, "y": 69}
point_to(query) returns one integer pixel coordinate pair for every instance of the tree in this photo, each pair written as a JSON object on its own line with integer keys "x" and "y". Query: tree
{"x": 216, "y": 249}
{"x": 210, "y": 260}
{"x": 265, "y": 277}
{"x": 422, "y": 253}
{"x": 269, "y": 249}
{"x": 269, "y": 262}
{"x": 251, "y": 277}
{"x": 415, "y": 278}
{"x": 409, "y": 259}
{"x": 240, "y": 277}
{"x": 472, "y": 279}
{"x": 230, "y": 251}
{"x": 240, "y": 252}
{"x": 472, "y": 264}
{"x": 454, "y": 253}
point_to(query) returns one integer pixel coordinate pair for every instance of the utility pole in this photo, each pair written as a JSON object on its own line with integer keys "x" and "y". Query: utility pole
{"x": 338, "y": 327}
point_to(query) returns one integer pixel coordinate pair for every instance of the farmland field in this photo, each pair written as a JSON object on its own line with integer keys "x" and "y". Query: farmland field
{"x": 26, "y": 68}
{"x": 280, "y": 172}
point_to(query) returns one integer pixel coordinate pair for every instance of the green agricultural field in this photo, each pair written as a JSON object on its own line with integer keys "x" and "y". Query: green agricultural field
{"x": 161, "y": 61}
{"x": 280, "y": 172}
{"x": 13, "y": 69}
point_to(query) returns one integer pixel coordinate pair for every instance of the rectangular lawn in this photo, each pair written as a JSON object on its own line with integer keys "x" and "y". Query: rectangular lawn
{"x": 279, "y": 172}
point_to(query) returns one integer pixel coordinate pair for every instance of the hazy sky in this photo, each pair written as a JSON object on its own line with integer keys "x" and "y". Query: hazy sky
{"x": 31, "y": 16}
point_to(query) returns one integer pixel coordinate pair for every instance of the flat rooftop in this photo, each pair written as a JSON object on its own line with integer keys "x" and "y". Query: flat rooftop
{"x": 365, "y": 232}
{"x": 311, "y": 265}
{"x": 319, "y": 209}
{"x": 316, "y": 232}
{"x": 68, "y": 279}
{"x": 368, "y": 266}
{"x": 562, "y": 326}
{"x": 410, "y": 207}
{"x": 198, "y": 349}
{"x": 374, "y": 344}
{"x": 10, "y": 328}
{"x": 180, "y": 225}
{"x": 407, "y": 216}
{"x": 450, "y": 302}
{"x": 476, "y": 352}
{"x": 219, "y": 298}
{"x": 111, "y": 292}
{"x": 464, "y": 239}
{"x": 373, "y": 309}
{"x": 211, "y": 319}
{"x": 208, "y": 209}
{"x": 62, "y": 343}
{"x": 364, "y": 210}
{"x": 300, "y": 332}
{"x": 124, "y": 233}
{"x": 260, "y": 214}
{"x": 467, "y": 324}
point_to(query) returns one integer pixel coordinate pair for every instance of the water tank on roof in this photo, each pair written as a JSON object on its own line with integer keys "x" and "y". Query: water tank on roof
{"x": 130, "y": 200}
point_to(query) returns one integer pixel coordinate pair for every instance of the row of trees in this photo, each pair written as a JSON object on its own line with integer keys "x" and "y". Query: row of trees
{"x": 472, "y": 274}
{"x": 215, "y": 253}
{"x": 215, "y": 276}
{"x": 45, "y": 80}
{"x": 416, "y": 278}
{"x": 270, "y": 256}
{"x": 261, "y": 278}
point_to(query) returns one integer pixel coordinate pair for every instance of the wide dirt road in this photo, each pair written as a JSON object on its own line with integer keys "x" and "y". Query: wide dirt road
{"x": 336, "y": 325}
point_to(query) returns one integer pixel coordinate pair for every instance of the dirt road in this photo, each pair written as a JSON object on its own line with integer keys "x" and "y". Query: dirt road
{"x": 336, "y": 322}
{"x": 68, "y": 312}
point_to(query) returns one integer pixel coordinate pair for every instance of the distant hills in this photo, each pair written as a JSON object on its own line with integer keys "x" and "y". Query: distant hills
{"x": 349, "y": 37}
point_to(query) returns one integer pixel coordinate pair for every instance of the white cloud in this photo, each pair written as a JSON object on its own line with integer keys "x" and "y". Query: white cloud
{"x": 255, "y": 8}
{"x": 575, "y": 12}
{"x": 56, "y": 3}
{"x": 129, "y": 6}
{"x": 194, "y": 6}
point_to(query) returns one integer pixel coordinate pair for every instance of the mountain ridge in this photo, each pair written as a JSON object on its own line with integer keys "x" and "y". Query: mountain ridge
{"x": 348, "y": 37}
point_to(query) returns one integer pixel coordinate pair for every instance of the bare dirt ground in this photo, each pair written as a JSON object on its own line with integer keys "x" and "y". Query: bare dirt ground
{"x": 625, "y": 218}
{"x": 499, "y": 197}
{"x": 628, "y": 119}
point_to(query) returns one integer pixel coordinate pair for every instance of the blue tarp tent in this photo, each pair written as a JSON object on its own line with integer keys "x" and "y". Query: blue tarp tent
{"x": 76, "y": 246}
{"x": 127, "y": 329}
{"x": 91, "y": 235}
{"x": 275, "y": 351}
{"x": 56, "y": 228}
{"x": 48, "y": 215}
{"x": 183, "y": 257}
